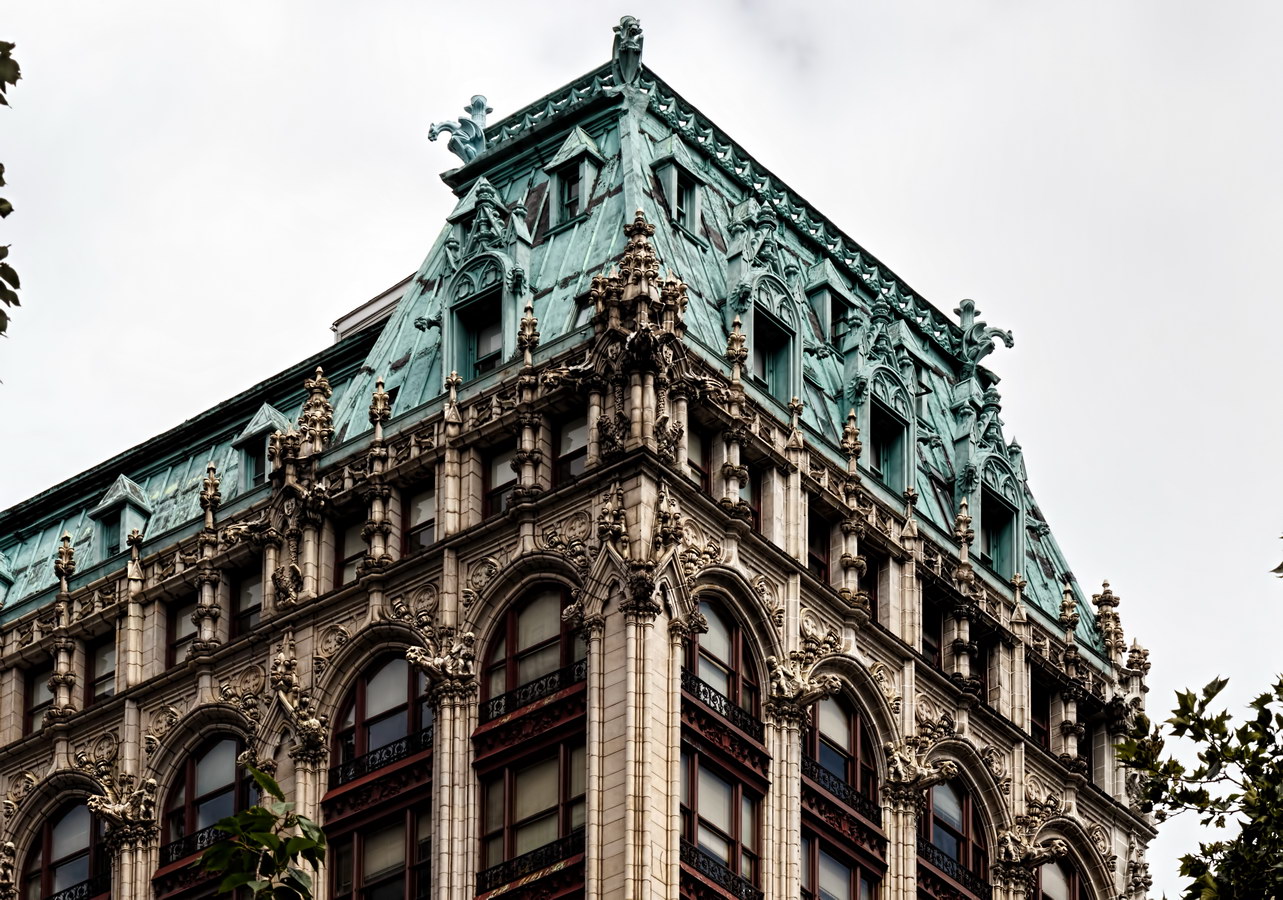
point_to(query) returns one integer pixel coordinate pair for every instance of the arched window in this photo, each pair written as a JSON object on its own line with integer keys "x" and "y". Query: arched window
{"x": 952, "y": 826}
{"x": 721, "y": 659}
{"x": 533, "y": 654}
{"x": 211, "y": 786}
{"x": 387, "y": 718}
{"x": 1061, "y": 880}
{"x": 839, "y": 755}
{"x": 68, "y": 852}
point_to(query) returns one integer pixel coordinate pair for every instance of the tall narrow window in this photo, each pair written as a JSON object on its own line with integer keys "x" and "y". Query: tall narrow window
{"x": 247, "y": 602}
{"x": 685, "y": 210}
{"x": 1087, "y": 750}
{"x": 830, "y": 874}
{"x": 720, "y": 658}
{"x": 102, "y": 670}
{"x": 254, "y": 458}
{"x": 69, "y": 855}
{"x": 211, "y": 787}
{"x": 500, "y": 478}
{"x": 181, "y": 628}
{"x": 720, "y": 817}
{"x": 481, "y": 335}
{"x": 387, "y": 718}
{"x": 1040, "y": 712}
{"x": 887, "y": 446}
{"x": 819, "y": 541}
{"x": 39, "y": 697}
{"x": 933, "y": 631}
{"x": 997, "y": 531}
{"x": 770, "y": 357}
{"x": 953, "y": 826}
{"x": 421, "y": 520}
{"x": 875, "y": 565}
{"x": 751, "y": 494}
{"x": 699, "y": 458}
{"x": 110, "y": 526}
{"x": 571, "y": 450}
{"x": 530, "y": 804}
{"x": 351, "y": 552}
{"x": 568, "y": 189}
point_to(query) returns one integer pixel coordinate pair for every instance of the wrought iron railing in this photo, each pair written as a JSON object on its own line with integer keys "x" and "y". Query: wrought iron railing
{"x": 719, "y": 703}
{"x": 536, "y": 690}
{"x": 716, "y": 871}
{"x": 91, "y": 887}
{"x": 951, "y": 867}
{"x": 402, "y": 748}
{"x": 539, "y": 858}
{"x": 190, "y": 845}
{"x": 834, "y": 784}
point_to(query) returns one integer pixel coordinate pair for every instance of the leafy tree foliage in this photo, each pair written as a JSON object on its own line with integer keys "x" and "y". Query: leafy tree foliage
{"x": 9, "y": 75}
{"x": 265, "y": 848}
{"x": 1238, "y": 782}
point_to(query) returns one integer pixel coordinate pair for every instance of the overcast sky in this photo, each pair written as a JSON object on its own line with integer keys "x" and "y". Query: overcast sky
{"x": 201, "y": 189}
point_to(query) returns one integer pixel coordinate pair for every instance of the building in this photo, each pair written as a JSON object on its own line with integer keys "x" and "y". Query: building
{"x": 653, "y": 540}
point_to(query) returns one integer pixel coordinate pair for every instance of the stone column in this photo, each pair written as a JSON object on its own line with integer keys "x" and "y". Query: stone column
{"x": 640, "y": 610}
{"x": 592, "y": 628}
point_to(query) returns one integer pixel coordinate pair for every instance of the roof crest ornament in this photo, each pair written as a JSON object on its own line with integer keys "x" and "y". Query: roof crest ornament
{"x": 316, "y": 421}
{"x": 625, "y": 57}
{"x": 468, "y": 136}
{"x": 977, "y": 338}
{"x": 64, "y": 565}
{"x": 210, "y": 496}
{"x": 380, "y": 408}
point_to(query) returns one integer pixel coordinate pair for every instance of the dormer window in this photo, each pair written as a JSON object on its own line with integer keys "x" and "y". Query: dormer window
{"x": 481, "y": 326}
{"x": 886, "y": 451}
{"x": 686, "y": 209}
{"x": 567, "y": 193}
{"x": 110, "y": 529}
{"x": 770, "y": 360}
{"x": 252, "y": 442}
{"x": 121, "y": 510}
{"x": 997, "y": 533}
{"x": 255, "y": 461}
{"x": 571, "y": 175}
{"x": 675, "y": 170}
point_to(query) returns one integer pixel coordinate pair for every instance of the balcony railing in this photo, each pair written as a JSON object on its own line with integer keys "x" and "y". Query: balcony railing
{"x": 400, "y": 749}
{"x": 838, "y": 788}
{"x": 951, "y": 867}
{"x": 536, "y": 690}
{"x": 92, "y": 887}
{"x": 539, "y": 858}
{"x": 190, "y": 845}
{"x": 719, "y": 703}
{"x": 716, "y": 871}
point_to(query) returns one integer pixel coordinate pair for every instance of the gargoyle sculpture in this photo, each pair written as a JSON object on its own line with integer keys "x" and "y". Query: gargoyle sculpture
{"x": 467, "y": 136}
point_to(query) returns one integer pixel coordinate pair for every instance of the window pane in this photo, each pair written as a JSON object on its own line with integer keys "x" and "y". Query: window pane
{"x": 71, "y": 873}
{"x": 105, "y": 659}
{"x": 423, "y": 506}
{"x": 717, "y": 640}
{"x": 833, "y": 760}
{"x": 578, "y": 815}
{"x": 714, "y": 675}
{"x": 342, "y": 866}
{"x": 423, "y": 835}
{"x": 494, "y": 804}
{"x": 385, "y": 731}
{"x": 748, "y": 822}
{"x": 184, "y": 627}
{"x": 71, "y": 834}
{"x": 489, "y": 339}
{"x": 572, "y": 436}
{"x": 948, "y": 805}
{"x": 540, "y": 620}
{"x": 220, "y": 806}
{"x": 686, "y": 787}
{"x": 713, "y": 843}
{"x": 806, "y": 863}
{"x": 835, "y": 879}
{"x": 1055, "y": 883}
{"x": 501, "y": 468}
{"x": 384, "y": 851}
{"x": 835, "y": 724}
{"x": 250, "y": 592}
{"x": 352, "y": 540}
{"x": 536, "y": 665}
{"x": 945, "y": 841}
{"x": 715, "y": 799}
{"x": 536, "y": 790}
{"x": 536, "y": 833}
{"x": 39, "y": 687}
{"x": 217, "y": 768}
{"x": 387, "y": 689}
{"x": 578, "y": 771}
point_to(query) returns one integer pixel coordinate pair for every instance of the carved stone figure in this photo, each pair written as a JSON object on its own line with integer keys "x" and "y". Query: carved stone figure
{"x": 467, "y": 136}
{"x": 625, "y": 61}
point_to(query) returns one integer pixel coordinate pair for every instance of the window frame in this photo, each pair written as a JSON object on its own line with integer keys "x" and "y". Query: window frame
{"x": 819, "y": 542}
{"x": 998, "y": 518}
{"x": 191, "y": 801}
{"x": 1040, "y": 696}
{"x": 176, "y": 648}
{"x": 474, "y": 318}
{"x": 858, "y": 874}
{"x": 932, "y": 631}
{"x": 495, "y": 498}
{"x": 572, "y": 648}
{"x": 415, "y": 871}
{"x": 42, "y": 868}
{"x": 888, "y": 446}
{"x": 692, "y": 763}
{"x": 972, "y": 842}
{"x": 346, "y": 558}
{"x": 860, "y": 770}
{"x": 245, "y": 619}
{"x": 744, "y": 685}
{"x": 95, "y": 679}
{"x": 33, "y": 714}
{"x": 570, "y": 464}
{"x": 564, "y": 808}
{"x": 419, "y": 713}
{"x": 700, "y": 464}
{"x": 772, "y": 346}
{"x": 1077, "y": 883}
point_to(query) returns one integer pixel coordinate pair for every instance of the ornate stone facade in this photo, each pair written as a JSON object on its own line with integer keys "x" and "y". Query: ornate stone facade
{"x": 648, "y": 378}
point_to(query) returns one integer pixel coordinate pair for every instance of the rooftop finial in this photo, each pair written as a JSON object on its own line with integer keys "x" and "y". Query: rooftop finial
{"x": 625, "y": 57}
{"x": 380, "y": 408}
{"x": 468, "y": 136}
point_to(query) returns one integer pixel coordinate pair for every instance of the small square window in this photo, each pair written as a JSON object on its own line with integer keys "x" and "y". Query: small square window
{"x": 421, "y": 520}
{"x": 247, "y": 602}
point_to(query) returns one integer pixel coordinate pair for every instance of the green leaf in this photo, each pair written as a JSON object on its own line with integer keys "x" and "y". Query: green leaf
{"x": 266, "y": 784}
{"x": 5, "y": 208}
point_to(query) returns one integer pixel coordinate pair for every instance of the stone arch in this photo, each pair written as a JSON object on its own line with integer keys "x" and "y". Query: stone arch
{"x": 43, "y": 801}
{"x": 888, "y": 387}
{"x": 480, "y": 273}
{"x": 974, "y": 772}
{"x": 342, "y": 671}
{"x": 998, "y": 474}
{"x": 1083, "y": 851}
{"x": 771, "y": 293}
{"x": 188, "y": 734}
{"x": 861, "y": 689}
{"x": 540, "y": 566}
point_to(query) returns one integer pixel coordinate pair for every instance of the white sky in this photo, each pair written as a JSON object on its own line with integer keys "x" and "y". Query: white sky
{"x": 201, "y": 189}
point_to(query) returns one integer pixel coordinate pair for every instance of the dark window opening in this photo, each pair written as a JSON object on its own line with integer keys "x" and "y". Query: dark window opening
{"x": 997, "y": 530}
{"x": 247, "y": 602}
{"x": 530, "y": 804}
{"x": 838, "y": 740}
{"x": 102, "y": 670}
{"x": 388, "y": 704}
{"x": 568, "y": 186}
{"x": 390, "y": 859}
{"x": 110, "y": 525}
{"x": 933, "y": 631}
{"x": 721, "y": 658}
{"x": 211, "y": 787}
{"x": 871, "y": 580}
{"x": 720, "y": 816}
{"x": 351, "y": 552}
{"x": 255, "y": 457}
{"x": 699, "y": 458}
{"x": 1040, "y": 712}
{"x": 685, "y": 210}
{"x": 69, "y": 852}
{"x": 39, "y": 697}
{"x": 751, "y": 493}
{"x": 831, "y": 873}
{"x": 499, "y": 477}
{"x": 481, "y": 336}
{"x": 181, "y": 629}
{"x": 819, "y": 543}
{"x": 952, "y": 824}
{"x": 420, "y": 520}
{"x": 770, "y": 358}
{"x": 1061, "y": 880}
{"x": 570, "y": 450}
{"x": 886, "y": 447}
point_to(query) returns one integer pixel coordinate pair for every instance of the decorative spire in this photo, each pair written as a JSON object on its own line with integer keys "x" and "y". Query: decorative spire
{"x": 64, "y": 564}
{"x": 962, "y": 528}
{"x": 467, "y": 136}
{"x": 380, "y": 409}
{"x": 316, "y": 421}
{"x": 452, "y": 382}
{"x": 528, "y": 333}
{"x": 736, "y": 352}
{"x": 1068, "y": 610}
{"x": 625, "y": 57}
{"x": 851, "y": 445}
{"x": 210, "y": 497}
{"x": 795, "y": 407}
